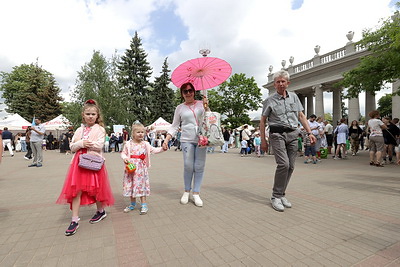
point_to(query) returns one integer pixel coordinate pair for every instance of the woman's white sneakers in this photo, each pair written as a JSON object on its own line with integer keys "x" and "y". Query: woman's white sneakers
{"x": 185, "y": 198}
{"x": 196, "y": 198}
{"x": 197, "y": 201}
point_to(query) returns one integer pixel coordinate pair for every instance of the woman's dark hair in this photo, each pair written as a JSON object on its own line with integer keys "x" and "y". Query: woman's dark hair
{"x": 183, "y": 86}
{"x": 196, "y": 93}
{"x": 354, "y": 121}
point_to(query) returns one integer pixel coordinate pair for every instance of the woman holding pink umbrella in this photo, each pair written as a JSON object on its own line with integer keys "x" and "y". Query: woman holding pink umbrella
{"x": 188, "y": 116}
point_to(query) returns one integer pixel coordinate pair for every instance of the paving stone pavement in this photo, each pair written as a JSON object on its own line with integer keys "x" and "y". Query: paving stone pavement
{"x": 345, "y": 213}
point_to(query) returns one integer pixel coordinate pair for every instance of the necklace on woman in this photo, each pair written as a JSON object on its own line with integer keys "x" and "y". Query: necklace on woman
{"x": 191, "y": 103}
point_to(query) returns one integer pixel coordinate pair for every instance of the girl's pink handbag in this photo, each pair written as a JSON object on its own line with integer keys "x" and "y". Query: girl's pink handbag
{"x": 90, "y": 162}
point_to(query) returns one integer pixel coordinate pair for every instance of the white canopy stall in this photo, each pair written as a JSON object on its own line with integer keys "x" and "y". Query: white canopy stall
{"x": 58, "y": 123}
{"x": 160, "y": 125}
{"x": 251, "y": 128}
{"x": 15, "y": 122}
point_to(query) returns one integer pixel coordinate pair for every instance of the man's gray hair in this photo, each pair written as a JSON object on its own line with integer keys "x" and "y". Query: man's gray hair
{"x": 281, "y": 73}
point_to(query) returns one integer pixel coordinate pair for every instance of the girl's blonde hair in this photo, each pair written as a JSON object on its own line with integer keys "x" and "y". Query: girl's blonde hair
{"x": 90, "y": 104}
{"x": 135, "y": 126}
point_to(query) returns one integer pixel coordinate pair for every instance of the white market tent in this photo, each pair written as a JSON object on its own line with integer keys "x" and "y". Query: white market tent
{"x": 14, "y": 122}
{"x": 160, "y": 125}
{"x": 251, "y": 128}
{"x": 58, "y": 123}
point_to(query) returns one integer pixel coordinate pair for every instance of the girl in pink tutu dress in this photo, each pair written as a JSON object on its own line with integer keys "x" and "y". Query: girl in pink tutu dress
{"x": 83, "y": 186}
{"x": 138, "y": 152}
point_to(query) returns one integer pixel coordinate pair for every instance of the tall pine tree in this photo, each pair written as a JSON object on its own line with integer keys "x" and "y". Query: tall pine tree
{"x": 134, "y": 72}
{"x": 163, "y": 104}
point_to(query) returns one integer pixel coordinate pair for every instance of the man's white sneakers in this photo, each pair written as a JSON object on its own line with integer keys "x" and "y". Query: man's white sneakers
{"x": 277, "y": 204}
{"x": 286, "y": 202}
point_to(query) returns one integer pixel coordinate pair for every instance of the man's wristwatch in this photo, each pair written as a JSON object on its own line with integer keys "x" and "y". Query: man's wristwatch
{"x": 308, "y": 134}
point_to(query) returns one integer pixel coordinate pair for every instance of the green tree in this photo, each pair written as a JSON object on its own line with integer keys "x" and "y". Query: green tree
{"x": 235, "y": 98}
{"x": 30, "y": 90}
{"x": 73, "y": 112}
{"x": 328, "y": 116}
{"x": 96, "y": 80}
{"x": 385, "y": 105}
{"x": 134, "y": 72}
{"x": 177, "y": 97}
{"x": 163, "y": 104}
{"x": 382, "y": 65}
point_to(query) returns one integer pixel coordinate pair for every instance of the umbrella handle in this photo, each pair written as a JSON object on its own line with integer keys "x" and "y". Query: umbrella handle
{"x": 206, "y": 108}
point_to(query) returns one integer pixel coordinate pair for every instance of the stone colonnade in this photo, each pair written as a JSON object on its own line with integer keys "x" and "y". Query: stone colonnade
{"x": 313, "y": 102}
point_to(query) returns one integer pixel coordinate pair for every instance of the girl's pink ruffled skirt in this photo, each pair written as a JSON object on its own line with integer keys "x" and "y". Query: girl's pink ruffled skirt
{"x": 93, "y": 184}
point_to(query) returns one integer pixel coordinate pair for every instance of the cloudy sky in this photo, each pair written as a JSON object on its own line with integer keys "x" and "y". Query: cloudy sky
{"x": 250, "y": 35}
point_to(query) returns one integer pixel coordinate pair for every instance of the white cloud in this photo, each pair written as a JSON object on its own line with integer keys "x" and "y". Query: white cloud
{"x": 250, "y": 35}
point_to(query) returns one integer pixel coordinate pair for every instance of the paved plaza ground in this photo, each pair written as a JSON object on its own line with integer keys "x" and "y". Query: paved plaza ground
{"x": 345, "y": 213}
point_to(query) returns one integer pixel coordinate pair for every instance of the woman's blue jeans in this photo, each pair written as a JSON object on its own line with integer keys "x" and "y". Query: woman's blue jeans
{"x": 194, "y": 160}
{"x": 23, "y": 146}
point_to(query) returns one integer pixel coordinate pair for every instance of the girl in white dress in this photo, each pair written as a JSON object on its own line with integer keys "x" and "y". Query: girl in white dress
{"x": 136, "y": 184}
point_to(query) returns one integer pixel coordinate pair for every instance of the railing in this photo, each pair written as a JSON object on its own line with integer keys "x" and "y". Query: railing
{"x": 359, "y": 48}
{"x": 303, "y": 66}
{"x": 334, "y": 55}
{"x": 326, "y": 58}
{"x": 349, "y": 48}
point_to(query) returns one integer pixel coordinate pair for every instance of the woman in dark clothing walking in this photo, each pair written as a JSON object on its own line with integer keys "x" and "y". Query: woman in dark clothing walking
{"x": 355, "y": 133}
{"x": 389, "y": 135}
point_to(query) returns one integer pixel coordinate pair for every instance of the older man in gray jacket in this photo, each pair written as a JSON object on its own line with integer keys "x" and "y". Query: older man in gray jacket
{"x": 284, "y": 111}
{"x": 37, "y": 134}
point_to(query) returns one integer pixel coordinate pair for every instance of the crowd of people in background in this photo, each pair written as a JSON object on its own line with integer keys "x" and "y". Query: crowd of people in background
{"x": 343, "y": 139}
{"x": 381, "y": 137}
{"x": 339, "y": 141}
{"x": 20, "y": 141}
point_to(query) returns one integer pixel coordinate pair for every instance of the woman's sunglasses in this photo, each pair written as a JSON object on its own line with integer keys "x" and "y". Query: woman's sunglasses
{"x": 189, "y": 91}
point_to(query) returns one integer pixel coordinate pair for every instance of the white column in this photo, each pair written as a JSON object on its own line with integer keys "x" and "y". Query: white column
{"x": 319, "y": 100}
{"x": 395, "y": 100}
{"x": 302, "y": 99}
{"x": 310, "y": 104}
{"x": 337, "y": 108}
{"x": 370, "y": 104}
{"x": 354, "y": 109}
